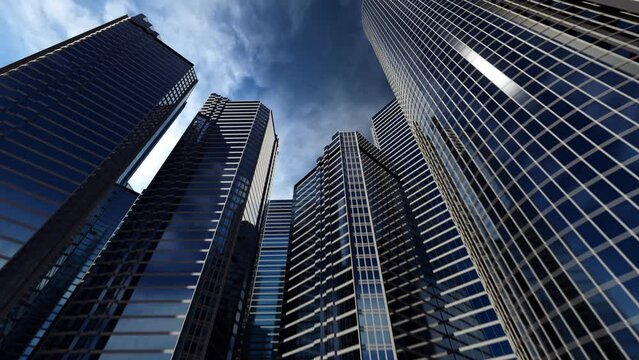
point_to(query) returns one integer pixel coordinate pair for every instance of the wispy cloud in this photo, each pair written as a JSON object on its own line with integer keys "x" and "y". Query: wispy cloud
{"x": 333, "y": 84}
{"x": 306, "y": 59}
{"x": 224, "y": 40}
{"x": 41, "y": 23}
{"x": 116, "y": 8}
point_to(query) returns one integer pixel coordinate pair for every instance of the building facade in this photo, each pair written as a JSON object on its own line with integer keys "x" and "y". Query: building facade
{"x": 468, "y": 325}
{"x": 78, "y": 118}
{"x": 527, "y": 114}
{"x": 70, "y": 268}
{"x": 173, "y": 280}
{"x": 358, "y": 282}
{"x": 261, "y": 332}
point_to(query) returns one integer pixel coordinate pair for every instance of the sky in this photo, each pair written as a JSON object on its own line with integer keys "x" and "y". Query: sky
{"x": 307, "y": 60}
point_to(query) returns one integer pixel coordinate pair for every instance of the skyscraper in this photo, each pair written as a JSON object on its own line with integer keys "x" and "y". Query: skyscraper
{"x": 77, "y": 118}
{"x": 261, "y": 332}
{"x": 358, "y": 281}
{"x": 527, "y": 114}
{"x": 68, "y": 270}
{"x": 468, "y": 317}
{"x": 173, "y": 279}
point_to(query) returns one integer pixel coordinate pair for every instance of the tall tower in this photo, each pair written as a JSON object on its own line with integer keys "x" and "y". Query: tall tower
{"x": 358, "y": 283}
{"x": 261, "y": 333}
{"x": 468, "y": 325}
{"x": 527, "y": 114}
{"x": 76, "y": 118}
{"x": 173, "y": 280}
{"x": 67, "y": 272}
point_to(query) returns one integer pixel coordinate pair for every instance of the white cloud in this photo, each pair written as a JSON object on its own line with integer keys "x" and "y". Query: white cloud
{"x": 113, "y": 9}
{"x": 215, "y": 35}
{"x": 224, "y": 41}
{"x": 209, "y": 35}
{"x": 42, "y": 23}
{"x": 308, "y": 128}
{"x": 297, "y": 12}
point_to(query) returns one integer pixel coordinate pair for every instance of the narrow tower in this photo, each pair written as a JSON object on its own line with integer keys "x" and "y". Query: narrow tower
{"x": 261, "y": 334}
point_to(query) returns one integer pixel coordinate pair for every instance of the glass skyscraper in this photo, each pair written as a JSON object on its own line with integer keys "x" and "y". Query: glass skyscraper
{"x": 527, "y": 113}
{"x": 358, "y": 281}
{"x": 173, "y": 280}
{"x": 468, "y": 324}
{"x": 77, "y": 118}
{"x": 261, "y": 333}
{"x": 69, "y": 269}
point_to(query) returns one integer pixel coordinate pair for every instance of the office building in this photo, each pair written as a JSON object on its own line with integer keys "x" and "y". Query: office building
{"x": 173, "y": 280}
{"x": 469, "y": 325}
{"x": 527, "y": 114}
{"x": 358, "y": 283}
{"x": 78, "y": 118}
{"x": 70, "y": 268}
{"x": 261, "y": 332}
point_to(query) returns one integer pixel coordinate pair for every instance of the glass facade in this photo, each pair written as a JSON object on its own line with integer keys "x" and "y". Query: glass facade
{"x": 70, "y": 268}
{"x": 75, "y": 117}
{"x": 172, "y": 279}
{"x": 358, "y": 283}
{"x": 467, "y": 325}
{"x": 261, "y": 333}
{"x": 527, "y": 113}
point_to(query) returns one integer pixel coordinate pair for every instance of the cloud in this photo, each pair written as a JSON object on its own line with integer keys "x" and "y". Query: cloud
{"x": 214, "y": 35}
{"x": 220, "y": 38}
{"x": 334, "y": 84}
{"x": 302, "y": 142}
{"x": 41, "y": 23}
{"x": 307, "y": 60}
{"x": 297, "y": 13}
{"x": 115, "y": 8}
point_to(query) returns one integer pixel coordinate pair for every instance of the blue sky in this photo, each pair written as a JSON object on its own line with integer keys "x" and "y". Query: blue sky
{"x": 307, "y": 60}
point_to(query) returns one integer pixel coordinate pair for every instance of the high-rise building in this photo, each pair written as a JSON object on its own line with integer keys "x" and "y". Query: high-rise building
{"x": 358, "y": 282}
{"x": 173, "y": 280}
{"x": 77, "y": 118}
{"x": 68, "y": 270}
{"x": 527, "y": 114}
{"x": 469, "y": 326}
{"x": 260, "y": 337}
